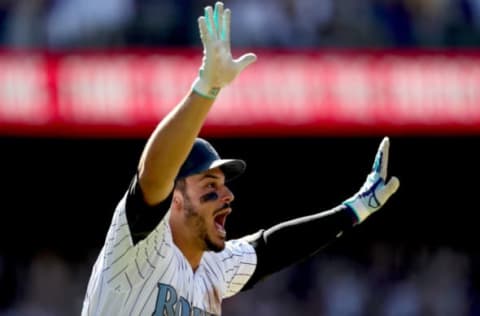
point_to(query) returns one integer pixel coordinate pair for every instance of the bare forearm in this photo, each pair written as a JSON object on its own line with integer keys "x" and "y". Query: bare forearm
{"x": 169, "y": 145}
{"x": 172, "y": 140}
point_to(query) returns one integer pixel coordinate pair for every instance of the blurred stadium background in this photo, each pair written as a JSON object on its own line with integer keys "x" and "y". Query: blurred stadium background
{"x": 82, "y": 84}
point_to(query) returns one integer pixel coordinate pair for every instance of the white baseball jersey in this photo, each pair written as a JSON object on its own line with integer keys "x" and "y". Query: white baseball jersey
{"x": 153, "y": 277}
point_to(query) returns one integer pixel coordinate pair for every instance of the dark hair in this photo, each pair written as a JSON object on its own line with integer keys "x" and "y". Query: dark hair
{"x": 180, "y": 184}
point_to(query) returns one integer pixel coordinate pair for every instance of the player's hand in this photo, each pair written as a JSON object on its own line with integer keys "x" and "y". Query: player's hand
{"x": 218, "y": 67}
{"x": 375, "y": 191}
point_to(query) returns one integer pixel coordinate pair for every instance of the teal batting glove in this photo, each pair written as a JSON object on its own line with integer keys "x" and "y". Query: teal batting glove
{"x": 375, "y": 192}
{"x": 218, "y": 67}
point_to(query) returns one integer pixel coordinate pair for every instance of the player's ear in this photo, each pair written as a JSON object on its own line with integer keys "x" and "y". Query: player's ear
{"x": 177, "y": 200}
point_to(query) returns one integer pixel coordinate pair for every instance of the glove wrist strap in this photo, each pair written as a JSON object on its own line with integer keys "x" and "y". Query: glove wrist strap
{"x": 204, "y": 89}
{"x": 358, "y": 209}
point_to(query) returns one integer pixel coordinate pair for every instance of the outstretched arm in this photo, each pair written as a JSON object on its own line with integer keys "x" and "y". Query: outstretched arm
{"x": 308, "y": 235}
{"x": 172, "y": 139}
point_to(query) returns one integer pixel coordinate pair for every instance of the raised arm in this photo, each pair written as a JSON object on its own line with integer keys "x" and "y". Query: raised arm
{"x": 310, "y": 234}
{"x": 172, "y": 139}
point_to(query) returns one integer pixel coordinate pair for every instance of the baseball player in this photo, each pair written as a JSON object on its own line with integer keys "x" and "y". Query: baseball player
{"x": 166, "y": 251}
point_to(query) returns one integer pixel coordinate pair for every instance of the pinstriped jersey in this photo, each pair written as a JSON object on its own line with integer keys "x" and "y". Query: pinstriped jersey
{"x": 153, "y": 277}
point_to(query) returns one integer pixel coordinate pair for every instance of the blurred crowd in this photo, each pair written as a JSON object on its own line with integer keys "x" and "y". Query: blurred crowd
{"x": 385, "y": 281}
{"x": 67, "y": 24}
{"x": 388, "y": 281}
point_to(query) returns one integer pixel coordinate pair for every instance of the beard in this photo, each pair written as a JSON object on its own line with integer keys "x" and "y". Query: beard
{"x": 200, "y": 225}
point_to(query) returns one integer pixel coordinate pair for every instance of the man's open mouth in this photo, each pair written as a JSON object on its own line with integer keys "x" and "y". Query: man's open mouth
{"x": 220, "y": 222}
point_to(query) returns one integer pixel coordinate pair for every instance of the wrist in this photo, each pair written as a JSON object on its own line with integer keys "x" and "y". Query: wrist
{"x": 358, "y": 209}
{"x": 205, "y": 89}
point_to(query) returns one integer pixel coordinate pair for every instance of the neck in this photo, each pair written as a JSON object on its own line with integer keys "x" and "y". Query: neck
{"x": 186, "y": 242}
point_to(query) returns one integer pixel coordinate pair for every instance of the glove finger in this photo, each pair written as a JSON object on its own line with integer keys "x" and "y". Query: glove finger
{"x": 209, "y": 21}
{"x": 218, "y": 19}
{"x": 227, "y": 14}
{"x": 389, "y": 189}
{"x": 381, "y": 158}
{"x": 384, "y": 164}
{"x": 204, "y": 35}
{"x": 245, "y": 60}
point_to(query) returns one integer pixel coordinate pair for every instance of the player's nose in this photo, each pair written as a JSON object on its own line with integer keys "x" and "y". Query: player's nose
{"x": 227, "y": 195}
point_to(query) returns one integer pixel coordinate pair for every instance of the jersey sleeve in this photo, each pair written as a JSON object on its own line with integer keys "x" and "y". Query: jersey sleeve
{"x": 141, "y": 217}
{"x": 134, "y": 245}
{"x": 237, "y": 263}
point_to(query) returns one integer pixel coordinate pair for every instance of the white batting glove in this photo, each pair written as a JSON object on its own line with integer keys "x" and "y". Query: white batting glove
{"x": 218, "y": 68}
{"x": 374, "y": 192}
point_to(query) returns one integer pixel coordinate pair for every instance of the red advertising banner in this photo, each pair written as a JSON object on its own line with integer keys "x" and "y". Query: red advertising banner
{"x": 126, "y": 94}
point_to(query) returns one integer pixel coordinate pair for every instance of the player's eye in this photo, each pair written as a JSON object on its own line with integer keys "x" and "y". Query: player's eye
{"x": 212, "y": 185}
